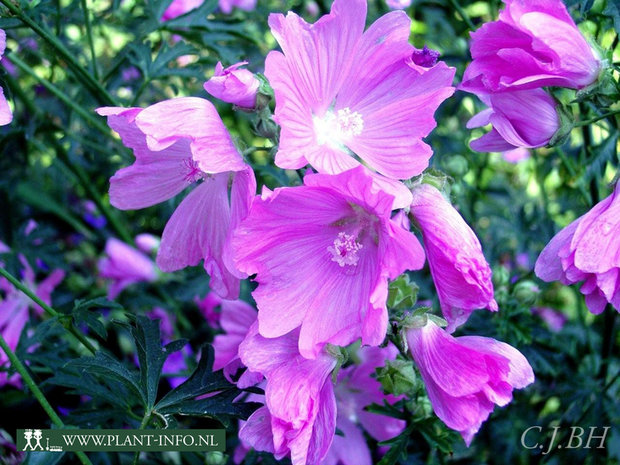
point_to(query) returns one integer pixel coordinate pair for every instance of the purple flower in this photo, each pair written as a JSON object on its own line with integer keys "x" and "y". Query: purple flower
{"x": 227, "y": 5}
{"x": 398, "y": 4}
{"x": 535, "y": 43}
{"x": 177, "y": 143}
{"x": 91, "y": 216}
{"x": 233, "y": 85}
{"x": 554, "y": 319}
{"x": 180, "y": 7}
{"x": 341, "y": 92}
{"x": 356, "y": 390}
{"x": 236, "y": 319}
{"x": 147, "y": 243}
{"x": 588, "y": 250}
{"x": 123, "y": 265}
{"x": 5, "y": 112}
{"x": 516, "y": 155}
{"x": 300, "y": 414}
{"x": 510, "y": 113}
{"x": 322, "y": 254}
{"x": 461, "y": 274}
{"x": 14, "y": 307}
{"x": 466, "y": 376}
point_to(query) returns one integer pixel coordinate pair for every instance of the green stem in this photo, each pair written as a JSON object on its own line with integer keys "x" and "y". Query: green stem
{"x": 145, "y": 421}
{"x": 89, "y": 35}
{"x": 95, "y": 87}
{"x": 595, "y": 119}
{"x": 88, "y": 116}
{"x": 49, "y": 310}
{"x": 36, "y": 392}
{"x": 463, "y": 14}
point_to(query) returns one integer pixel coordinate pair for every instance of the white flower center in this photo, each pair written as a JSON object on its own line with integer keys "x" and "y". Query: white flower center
{"x": 335, "y": 129}
{"x": 345, "y": 250}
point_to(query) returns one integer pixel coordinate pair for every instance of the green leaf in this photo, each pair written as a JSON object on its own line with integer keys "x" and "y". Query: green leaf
{"x": 202, "y": 381}
{"x": 85, "y": 384}
{"x": 82, "y": 313}
{"x": 612, "y": 9}
{"x": 402, "y": 293}
{"x": 107, "y": 367}
{"x": 220, "y": 406}
{"x": 603, "y": 153}
{"x": 151, "y": 354}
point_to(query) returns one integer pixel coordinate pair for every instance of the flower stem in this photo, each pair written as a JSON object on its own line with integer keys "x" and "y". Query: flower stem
{"x": 93, "y": 85}
{"x": 89, "y": 35}
{"x": 595, "y": 119}
{"x": 88, "y": 116}
{"x": 463, "y": 14}
{"x": 36, "y": 392}
{"x": 49, "y": 310}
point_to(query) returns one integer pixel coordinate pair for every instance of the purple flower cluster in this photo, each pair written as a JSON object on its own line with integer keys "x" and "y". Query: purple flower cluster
{"x": 533, "y": 44}
{"x": 353, "y": 107}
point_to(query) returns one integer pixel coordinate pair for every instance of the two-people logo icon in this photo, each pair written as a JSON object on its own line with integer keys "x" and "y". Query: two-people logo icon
{"x": 28, "y": 435}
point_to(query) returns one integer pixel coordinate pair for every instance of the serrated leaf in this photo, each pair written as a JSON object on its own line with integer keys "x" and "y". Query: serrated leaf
{"x": 107, "y": 366}
{"x": 603, "y": 153}
{"x": 151, "y": 354}
{"x": 85, "y": 384}
{"x": 202, "y": 381}
{"x": 219, "y": 406}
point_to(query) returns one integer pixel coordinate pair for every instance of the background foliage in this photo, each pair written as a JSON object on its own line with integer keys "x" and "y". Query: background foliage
{"x": 68, "y": 57}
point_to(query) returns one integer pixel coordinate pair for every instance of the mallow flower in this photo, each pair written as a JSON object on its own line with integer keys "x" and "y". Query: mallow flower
{"x": 466, "y": 376}
{"x": 227, "y": 5}
{"x": 322, "y": 254}
{"x": 180, "y": 7}
{"x": 398, "y": 4}
{"x": 460, "y": 272}
{"x": 514, "y": 127}
{"x": 236, "y": 319}
{"x": 357, "y": 389}
{"x": 123, "y": 266}
{"x": 343, "y": 93}
{"x": 178, "y": 143}
{"x": 6, "y": 116}
{"x": 588, "y": 250}
{"x": 14, "y": 306}
{"x": 300, "y": 413}
{"x": 533, "y": 44}
{"x": 233, "y": 85}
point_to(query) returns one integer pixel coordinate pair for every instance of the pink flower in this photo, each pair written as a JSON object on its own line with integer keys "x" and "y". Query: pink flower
{"x": 535, "y": 43}
{"x": 466, "y": 376}
{"x": 123, "y": 266}
{"x": 177, "y": 143}
{"x": 510, "y": 113}
{"x": 180, "y": 7}
{"x": 147, "y": 243}
{"x": 227, "y": 5}
{"x": 322, "y": 254}
{"x": 554, "y": 319}
{"x": 15, "y": 304}
{"x": 516, "y": 155}
{"x": 5, "y": 112}
{"x": 588, "y": 250}
{"x": 300, "y": 414}
{"x": 398, "y": 4}
{"x": 461, "y": 274}
{"x": 341, "y": 92}
{"x": 233, "y": 85}
{"x": 236, "y": 319}
{"x": 356, "y": 390}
